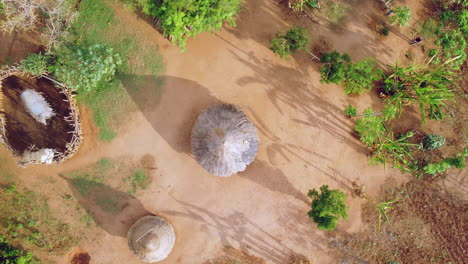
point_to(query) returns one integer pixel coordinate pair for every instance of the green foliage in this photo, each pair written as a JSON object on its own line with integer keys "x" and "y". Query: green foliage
{"x": 440, "y": 167}
{"x": 313, "y": 3}
{"x": 430, "y": 88}
{"x": 358, "y": 77}
{"x": 453, "y": 45}
{"x": 401, "y": 17}
{"x": 351, "y": 111}
{"x": 431, "y": 28}
{"x": 84, "y": 69}
{"x": 11, "y": 255}
{"x": 36, "y": 64}
{"x": 397, "y": 150}
{"x": 181, "y": 19}
{"x": 432, "y": 142}
{"x": 370, "y": 127}
{"x": 297, "y": 38}
{"x": 328, "y": 207}
{"x": 462, "y": 20}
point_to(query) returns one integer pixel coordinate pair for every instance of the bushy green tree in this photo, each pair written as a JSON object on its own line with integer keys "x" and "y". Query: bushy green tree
{"x": 36, "y": 64}
{"x": 361, "y": 75}
{"x": 297, "y": 38}
{"x": 432, "y": 142}
{"x": 11, "y": 255}
{"x": 181, "y": 19}
{"x": 328, "y": 207}
{"x": 357, "y": 77}
{"x": 84, "y": 69}
{"x": 402, "y": 16}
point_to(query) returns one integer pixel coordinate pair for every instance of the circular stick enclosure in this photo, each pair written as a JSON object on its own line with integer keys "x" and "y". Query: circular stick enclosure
{"x": 39, "y": 120}
{"x": 224, "y": 141}
{"x": 151, "y": 238}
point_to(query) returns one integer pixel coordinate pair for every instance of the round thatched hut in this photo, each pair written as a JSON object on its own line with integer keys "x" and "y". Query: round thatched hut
{"x": 39, "y": 119}
{"x": 224, "y": 141}
{"x": 151, "y": 238}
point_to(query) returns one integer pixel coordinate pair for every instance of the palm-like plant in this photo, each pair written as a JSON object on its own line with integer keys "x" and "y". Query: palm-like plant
{"x": 397, "y": 150}
{"x": 430, "y": 88}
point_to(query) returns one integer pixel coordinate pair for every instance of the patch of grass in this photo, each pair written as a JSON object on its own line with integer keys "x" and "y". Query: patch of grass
{"x": 335, "y": 11}
{"x": 97, "y": 24}
{"x": 138, "y": 179}
{"x": 430, "y": 28}
{"x": 27, "y": 220}
{"x": 87, "y": 220}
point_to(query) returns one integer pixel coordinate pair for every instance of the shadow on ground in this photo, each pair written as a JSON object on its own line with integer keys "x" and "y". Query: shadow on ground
{"x": 112, "y": 210}
{"x": 170, "y": 104}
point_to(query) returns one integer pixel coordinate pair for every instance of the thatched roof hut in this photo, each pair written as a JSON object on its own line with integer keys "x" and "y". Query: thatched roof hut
{"x": 151, "y": 238}
{"x": 224, "y": 141}
{"x": 39, "y": 120}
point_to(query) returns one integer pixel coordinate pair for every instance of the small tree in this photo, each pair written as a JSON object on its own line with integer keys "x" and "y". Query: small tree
{"x": 351, "y": 111}
{"x": 370, "y": 127}
{"x": 11, "y": 255}
{"x": 297, "y": 38}
{"x": 83, "y": 69}
{"x": 361, "y": 75}
{"x": 453, "y": 45}
{"x": 401, "y": 17}
{"x": 181, "y": 19}
{"x": 328, "y": 207}
{"x": 335, "y": 68}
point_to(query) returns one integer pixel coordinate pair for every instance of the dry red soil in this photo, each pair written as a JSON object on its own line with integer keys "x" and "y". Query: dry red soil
{"x": 306, "y": 141}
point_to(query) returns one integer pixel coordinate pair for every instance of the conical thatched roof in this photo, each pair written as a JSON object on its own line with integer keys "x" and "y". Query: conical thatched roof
{"x": 224, "y": 141}
{"x": 151, "y": 238}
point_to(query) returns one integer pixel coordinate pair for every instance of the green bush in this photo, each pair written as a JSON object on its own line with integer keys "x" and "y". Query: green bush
{"x": 439, "y": 167}
{"x": 385, "y": 31}
{"x": 401, "y": 17}
{"x": 36, "y": 64}
{"x": 370, "y": 127}
{"x": 351, "y": 111}
{"x": 83, "y": 69}
{"x": 462, "y": 20}
{"x": 11, "y": 255}
{"x": 181, "y": 19}
{"x": 358, "y": 77}
{"x": 453, "y": 44}
{"x": 328, "y": 207}
{"x": 432, "y": 142}
{"x": 297, "y": 38}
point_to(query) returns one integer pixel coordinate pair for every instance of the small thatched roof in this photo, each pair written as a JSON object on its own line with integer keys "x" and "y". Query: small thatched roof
{"x": 151, "y": 238}
{"x": 224, "y": 141}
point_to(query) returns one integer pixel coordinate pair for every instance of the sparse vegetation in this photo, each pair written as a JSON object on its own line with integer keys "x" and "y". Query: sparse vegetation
{"x": 328, "y": 207}
{"x": 138, "y": 180}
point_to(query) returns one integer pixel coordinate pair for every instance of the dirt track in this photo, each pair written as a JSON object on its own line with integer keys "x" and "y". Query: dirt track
{"x": 305, "y": 142}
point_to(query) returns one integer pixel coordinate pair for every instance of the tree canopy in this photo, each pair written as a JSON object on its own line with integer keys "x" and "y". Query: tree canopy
{"x": 328, "y": 207}
{"x": 297, "y": 38}
{"x": 401, "y": 16}
{"x": 181, "y": 19}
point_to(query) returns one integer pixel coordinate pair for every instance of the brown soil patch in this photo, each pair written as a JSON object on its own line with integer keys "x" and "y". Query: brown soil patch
{"x": 426, "y": 224}
{"x": 231, "y": 255}
{"x": 22, "y": 130}
{"x": 78, "y": 256}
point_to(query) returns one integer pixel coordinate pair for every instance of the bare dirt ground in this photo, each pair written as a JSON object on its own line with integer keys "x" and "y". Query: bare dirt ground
{"x": 305, "y": 141}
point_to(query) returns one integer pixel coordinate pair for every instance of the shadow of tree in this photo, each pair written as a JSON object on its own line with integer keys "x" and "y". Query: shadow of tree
{"x": 236, "y": 226}
{"x": 112, "y": 210}
{"x": 170, "y": 104}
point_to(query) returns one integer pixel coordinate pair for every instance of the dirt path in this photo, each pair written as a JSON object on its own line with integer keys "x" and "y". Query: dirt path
{"x": 305, "y": 141}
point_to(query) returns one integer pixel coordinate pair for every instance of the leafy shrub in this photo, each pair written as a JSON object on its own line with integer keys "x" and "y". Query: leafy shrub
{"x": 370, "y": 127}
{"x": 36, "y": 64}
{"x": 328, "y": 207}
{"x": 11, "y": 255}
{"x": 385, "y": 31}
{"x": 439, "y": 167}
{"x": 462, "y": 20}
{"x": 350, "y": 111}
{"x": 453, "y": 44}
{"x": 181, "y": 19}
{"x": 83, "y": 69}
{"x": 401, "y": 17}
{"x": 358, "y": 77}
{"x": 297, "y": 38}
{"x": 432, "y": 142}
